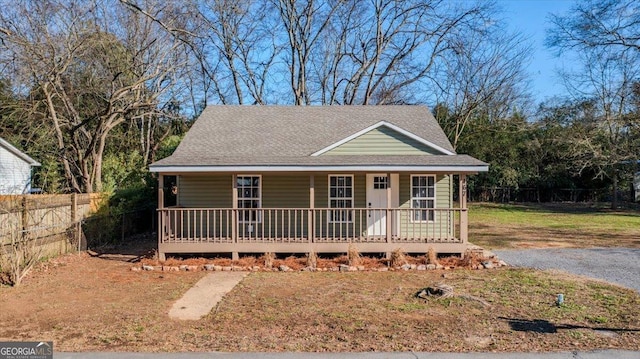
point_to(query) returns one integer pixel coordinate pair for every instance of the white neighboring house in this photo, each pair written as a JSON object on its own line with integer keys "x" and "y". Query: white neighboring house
{"x": 15, "y": 170}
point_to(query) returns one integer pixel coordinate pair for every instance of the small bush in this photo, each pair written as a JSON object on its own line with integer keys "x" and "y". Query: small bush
{"x": 354, "y": 255}
{"x": 268, "y": 259}
{"x": 312, "y": 260}
{"x": 432, "y": 258}
{"x": 398, "y": 258}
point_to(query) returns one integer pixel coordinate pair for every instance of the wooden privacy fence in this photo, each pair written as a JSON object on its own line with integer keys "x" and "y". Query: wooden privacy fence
{"x": 49, "y": 220}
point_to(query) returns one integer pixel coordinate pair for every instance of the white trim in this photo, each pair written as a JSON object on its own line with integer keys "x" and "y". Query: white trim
{"x": 322, "y": 168}
{"x": 427, "y": 198}
{"x": 352, "y": 198}
{"x": 389, "y": 125}
{"x": 238, "y": 199}
{"x": 394, "y": 181}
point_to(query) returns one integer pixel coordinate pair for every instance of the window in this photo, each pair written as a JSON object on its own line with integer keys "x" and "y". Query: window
{"x": 380, "y": 182}
{"x": 423, "y": 196}
{"x": 249, "y": 196}
{"x": 341, "y": 196}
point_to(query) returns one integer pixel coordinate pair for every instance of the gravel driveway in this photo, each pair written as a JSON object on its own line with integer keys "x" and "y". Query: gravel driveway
{"x": 616, "y": 265}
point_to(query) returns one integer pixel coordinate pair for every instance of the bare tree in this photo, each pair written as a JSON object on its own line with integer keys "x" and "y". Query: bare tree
{"x": 374, "y": 52}
{"x": 241, "y": 34}
{"x": 604, "y": 141}
{"x": 330, "y": 51}
{"x": 597, "y": 24}
{"x": 483, "y": 75}
{"x": 85, "y": 68}
{"x": 304, "y": 22}
{"x": 604, "y": 38}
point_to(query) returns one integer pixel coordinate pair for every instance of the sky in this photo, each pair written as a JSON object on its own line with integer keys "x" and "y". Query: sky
{"x": 531, "y": 18}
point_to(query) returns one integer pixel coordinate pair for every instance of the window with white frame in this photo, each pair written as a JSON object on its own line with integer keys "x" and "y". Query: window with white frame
{"x": 249, "y": 196}
{"x": 340, "y": 196}
{"x": 423, "y": 197}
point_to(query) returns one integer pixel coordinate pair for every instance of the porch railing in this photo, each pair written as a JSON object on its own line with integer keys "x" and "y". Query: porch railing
{"x": 317, "y": 225}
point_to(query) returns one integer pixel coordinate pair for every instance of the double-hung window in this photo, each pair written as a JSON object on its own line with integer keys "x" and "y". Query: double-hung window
{"x": 249, "y": 196}
{"x": 423, "y": 197}
{"x": 340, "y": 196}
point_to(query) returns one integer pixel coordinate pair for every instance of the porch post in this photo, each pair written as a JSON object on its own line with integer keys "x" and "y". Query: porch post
{"x": 234, "y": 205}
{"x": 312, "y": 205}
{"x": 161, "y": 219}
{"x": 464, "y": 219}
{"x": 160, "y": 191}
{"x": 388, "y": 216}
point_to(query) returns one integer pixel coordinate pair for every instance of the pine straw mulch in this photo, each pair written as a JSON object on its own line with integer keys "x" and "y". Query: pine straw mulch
{"x": 269, "y": 262}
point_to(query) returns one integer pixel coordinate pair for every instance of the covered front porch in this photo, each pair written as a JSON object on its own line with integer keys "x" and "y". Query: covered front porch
{"x": 317, "y": 212}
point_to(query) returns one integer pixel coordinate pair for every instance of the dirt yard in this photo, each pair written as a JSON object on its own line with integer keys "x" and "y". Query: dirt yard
{"x": 84, "y": 303}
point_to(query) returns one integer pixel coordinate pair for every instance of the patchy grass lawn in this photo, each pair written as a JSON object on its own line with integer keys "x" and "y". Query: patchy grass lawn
{"x": 84, "y": 303}
{"x": 496, "y": 226}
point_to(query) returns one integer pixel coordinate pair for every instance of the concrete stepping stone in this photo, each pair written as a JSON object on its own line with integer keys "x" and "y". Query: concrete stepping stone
{"x": 198, "y": 301}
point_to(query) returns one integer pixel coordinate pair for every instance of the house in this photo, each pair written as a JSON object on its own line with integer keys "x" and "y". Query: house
{"x": 255, "y": 179}
{"x": 15, "y": 170}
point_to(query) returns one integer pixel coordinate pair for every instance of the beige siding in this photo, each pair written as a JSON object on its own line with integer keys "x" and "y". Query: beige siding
{"x": 382, "y": 141}
{"x": 205, "y": 191}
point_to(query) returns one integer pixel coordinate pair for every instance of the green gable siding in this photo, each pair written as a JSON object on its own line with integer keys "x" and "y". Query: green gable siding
{"x": 205, "y": 191}
{"x": 382, "y": 141}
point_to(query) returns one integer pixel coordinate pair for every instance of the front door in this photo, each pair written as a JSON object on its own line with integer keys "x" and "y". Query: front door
{"x": 377, "y": 202}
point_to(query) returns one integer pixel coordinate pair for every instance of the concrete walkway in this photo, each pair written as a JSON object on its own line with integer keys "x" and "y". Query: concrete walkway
{"x": 600, "y": 354}
{"x": 198, "y": 301}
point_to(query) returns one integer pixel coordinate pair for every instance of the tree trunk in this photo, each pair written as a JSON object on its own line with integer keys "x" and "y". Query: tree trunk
{"x": 97, "y": 162}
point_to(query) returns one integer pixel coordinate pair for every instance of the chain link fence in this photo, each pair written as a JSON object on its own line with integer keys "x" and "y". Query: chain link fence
{"x": 521, "y": 195}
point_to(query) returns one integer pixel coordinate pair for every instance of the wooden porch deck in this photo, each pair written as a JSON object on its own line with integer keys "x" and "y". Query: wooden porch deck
{"x": 302, "y": 230}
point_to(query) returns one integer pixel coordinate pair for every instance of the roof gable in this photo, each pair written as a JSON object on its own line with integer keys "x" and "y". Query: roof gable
{"x": 383, "y": 138}
{"x": 16, "y": 152}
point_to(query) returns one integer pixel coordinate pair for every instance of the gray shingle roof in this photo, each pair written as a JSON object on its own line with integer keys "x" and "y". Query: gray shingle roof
{"x": 288, "y": 135}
